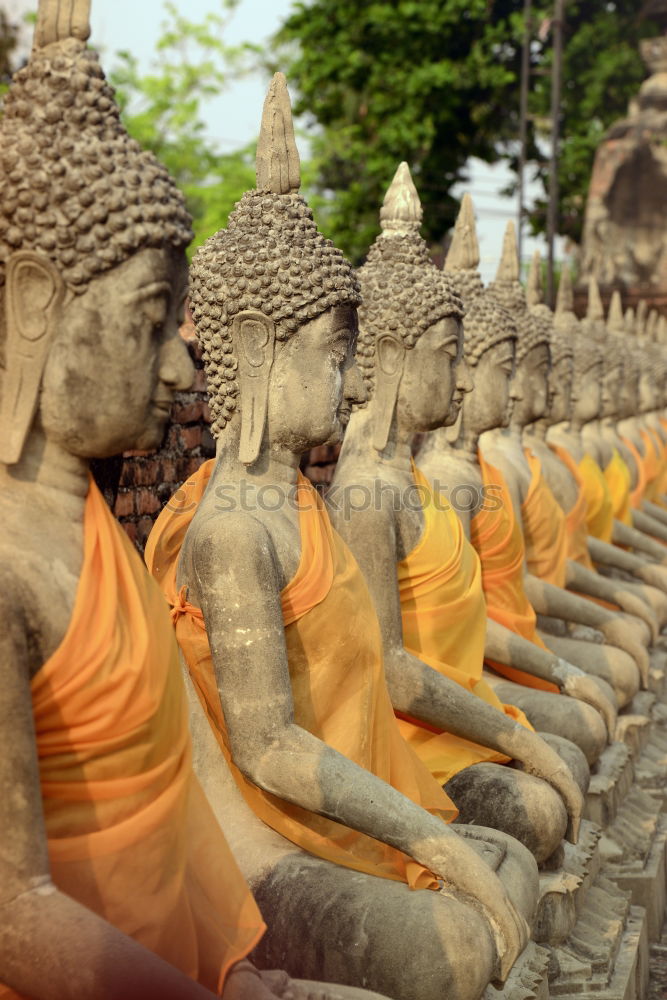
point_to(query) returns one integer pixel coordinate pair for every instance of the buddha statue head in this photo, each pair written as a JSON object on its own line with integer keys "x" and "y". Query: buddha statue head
{"x": 614, "y": 340}
{"x": 93, "y": 274}
{"x": 561, "y": 374}
{"x": 588, "y": 357}
{"x": 533, "y": 357}
{"x": 274, "y": 306}
{"x": 490, "y": 333}
{"x": 410, "y": 332}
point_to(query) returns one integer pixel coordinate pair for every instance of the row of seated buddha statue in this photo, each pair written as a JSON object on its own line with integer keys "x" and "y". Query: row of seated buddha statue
{"x": 366, "y": 762}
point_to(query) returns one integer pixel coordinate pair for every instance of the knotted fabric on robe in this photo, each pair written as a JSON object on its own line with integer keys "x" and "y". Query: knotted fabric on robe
{"x": 334, "y": 652}
{"x": 637, "y": 494}
{"x": 576, "y": 521}
{"x": 619, "y": 482}
{"x": 497, "y": 538}
{"x": 130, "y": 832}
{"x": 444, "y": 616}
{"x": 600, "y": 516}
{"x": 544, "y": 528}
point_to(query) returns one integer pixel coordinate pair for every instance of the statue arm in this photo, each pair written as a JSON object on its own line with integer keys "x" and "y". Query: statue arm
{"x": 505, "y": 646}
{"x": 548, "y": 599}
{"x": 613, "y": 557}
{"x": 419, "y": 691}
{"x": 247, "y": 642}
{"x": 639, "y": 540}
{"x": 586, "y": 581}
{"x": 86, "y": 958}
{"x": 655, "y": 511}
{"x": 649, "y": 525}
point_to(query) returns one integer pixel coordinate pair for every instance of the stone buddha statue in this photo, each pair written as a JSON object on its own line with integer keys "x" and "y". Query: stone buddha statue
{"x": 422, "y": 572}
{"x": 332, "y": 815}
{"x": 617, "y": 514}
{"x": 618, "y": 660}
{"x": 531, "y": 676}
{"x": 575, "y": 398}
{"x": 115, "y": 877}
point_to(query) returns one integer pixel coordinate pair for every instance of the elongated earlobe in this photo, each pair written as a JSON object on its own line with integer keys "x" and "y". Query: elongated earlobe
{"x": 33, "y": 292}
{"x": 390, "y": 354}
{"x": 255, "y": 337}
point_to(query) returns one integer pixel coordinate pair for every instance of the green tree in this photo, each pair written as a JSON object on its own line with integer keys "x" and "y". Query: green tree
{"x": 602, "y": 71}
{"x": 163, "y": 110}
{"x": 435, "y": 82}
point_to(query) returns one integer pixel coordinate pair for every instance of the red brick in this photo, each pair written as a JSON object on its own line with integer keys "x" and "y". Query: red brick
{"x": 130, "y": 529}
{"x": 191, "y": 437}
{"x": 188, "y": 412}
{"x": 124, "y": 505}
{"x": 137, "y": 472}
{"x": 147, "y": 502}
{"x": 136, "y": 454}
{"x": 191, "y": 466}
{"x": 320, "y": 474}
{"x": 326, "y": 454}
{"x": 199, "y": 384}
{"x": 168, "y": 471}
{"x": 144, "y": 526}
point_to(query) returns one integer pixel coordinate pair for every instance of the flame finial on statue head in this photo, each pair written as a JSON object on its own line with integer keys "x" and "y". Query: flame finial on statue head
{"x": 58, "y": 20}
{"x": 595, "y": 309}
{"x": 615, "y": 320}
{"x": 401, "y": 210}
{"x": 277, "y": 166}
{"x": 534, "y": 296}
{"x": 464, "y": 250}
{"x": 508, "y": 268}
{"x": 565, "y": 297}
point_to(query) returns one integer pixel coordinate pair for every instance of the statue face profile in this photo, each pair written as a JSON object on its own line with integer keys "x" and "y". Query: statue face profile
{"x": 588, "y": 404}
{"x": 488, "y": 406}
{"x": 435, "y": 377}
{"x": 647, "y": 392}
{"x": 561, "y": 396}
{"x": 532, "y": 385}
{"x": 314, "y": 382}
{"x": 612, "y": 380}
{"x": 115, "y": 356}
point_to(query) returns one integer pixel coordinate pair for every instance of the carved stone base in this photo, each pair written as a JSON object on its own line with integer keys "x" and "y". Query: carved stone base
{"x": 610, "y": 784}
{"x": 634, "y": 847}
{"x": 607, "y": 955}
{"x": 562, "y": 892}
{"x": 528, "y": 979}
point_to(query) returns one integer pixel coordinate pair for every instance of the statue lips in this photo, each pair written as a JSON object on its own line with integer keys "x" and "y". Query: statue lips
{"x": 162, "y": 404}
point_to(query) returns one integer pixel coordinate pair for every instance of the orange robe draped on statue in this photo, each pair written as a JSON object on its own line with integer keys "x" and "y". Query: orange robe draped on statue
{"x": 544, "y": 529}
{"x": 598, "y": 499}
{"x": 652, "y": 465}
{"x": 130, "y": 832}
{"x": 576, "y": 521}
{"x": 619, "y": 482}
{"x": 497, "y": 538}
{"x": 334, "y": 651}
{"x": 444, "y": 615}
{"x": 637, "y": 494}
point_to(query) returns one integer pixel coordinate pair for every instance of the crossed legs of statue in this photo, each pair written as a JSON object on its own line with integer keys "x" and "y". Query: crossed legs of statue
{"x": 326, "y": 922}
{"x": 503, "y": 797}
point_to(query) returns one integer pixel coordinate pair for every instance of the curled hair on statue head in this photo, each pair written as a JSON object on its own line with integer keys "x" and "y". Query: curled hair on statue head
{"x": 74, "y": 186}
{"x": 403, "y": 293}
{"x": 271, "y": 258}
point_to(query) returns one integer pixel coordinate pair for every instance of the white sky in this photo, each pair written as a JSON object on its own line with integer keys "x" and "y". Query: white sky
{"x": 234, "y": 118}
